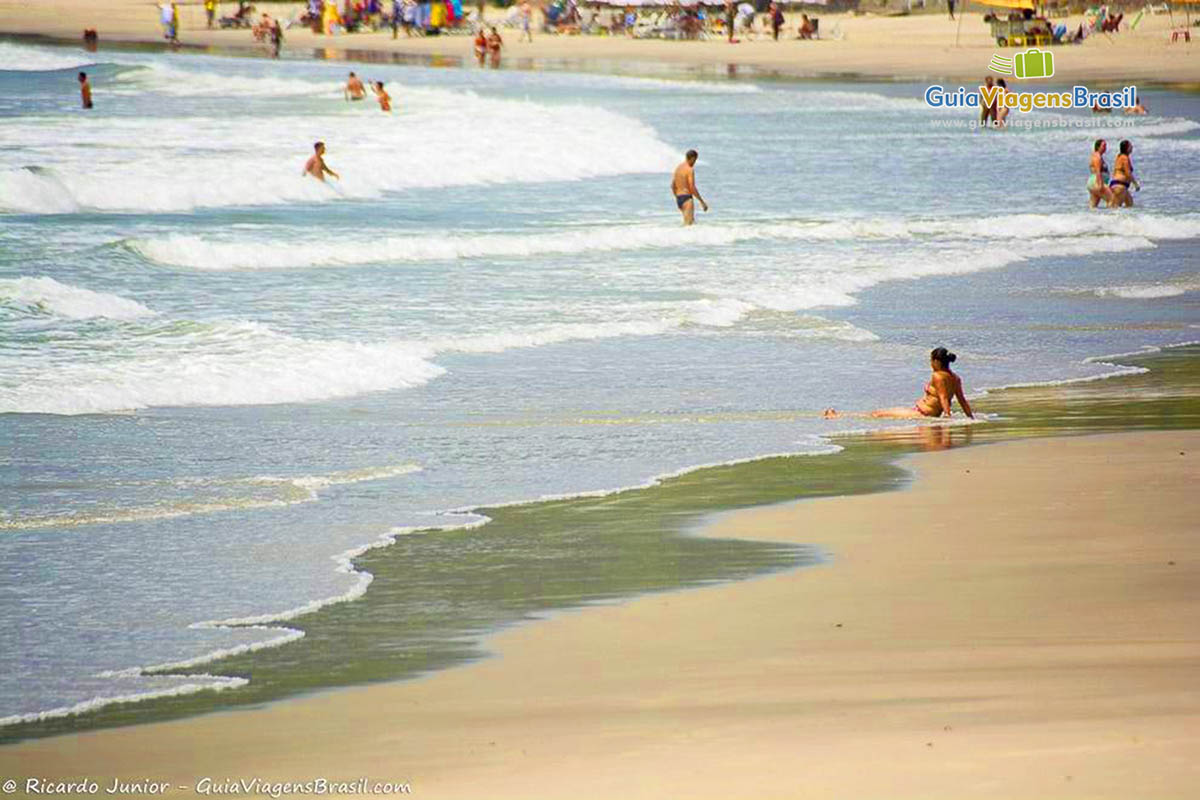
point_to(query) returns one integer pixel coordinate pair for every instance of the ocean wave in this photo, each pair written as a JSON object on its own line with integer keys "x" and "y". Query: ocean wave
{"x": 222, "y": 253}
{"x": 179, "y": 82}
{"x": 162, "y": 165}
{"x": 25, "y": 58}
{"x": 47, "y": 296}
{"x": 213, "y": 364}
{"x": 1147, "y": 291}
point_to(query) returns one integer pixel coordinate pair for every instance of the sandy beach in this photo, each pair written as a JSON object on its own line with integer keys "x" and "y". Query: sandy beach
{"x": 918, "y": 47}
{"x": 1020, "y": 622}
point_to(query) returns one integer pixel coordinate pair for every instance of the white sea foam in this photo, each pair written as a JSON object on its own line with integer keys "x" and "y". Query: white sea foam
{"x": 233, "y": 494}
{"x": 238, "y": 363}
{"x": 221, "y": 253}
{"x": 119, "y": 164}
{"x": 190, "y": 684}
{"x": 1147, "y": 291}
{"x": 179, "y": 82}
{"x": 47, "y": 296}
{"x": 27, "y": 58}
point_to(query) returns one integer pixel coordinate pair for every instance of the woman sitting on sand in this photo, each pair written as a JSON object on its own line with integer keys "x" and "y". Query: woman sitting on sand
{"x": 941, "y": 391}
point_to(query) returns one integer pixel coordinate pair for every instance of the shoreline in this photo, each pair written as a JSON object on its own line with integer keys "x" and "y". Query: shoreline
{"x": 875, "y": 455}
{"x": 872, "y": 48}
{"x": 971, "y": 657}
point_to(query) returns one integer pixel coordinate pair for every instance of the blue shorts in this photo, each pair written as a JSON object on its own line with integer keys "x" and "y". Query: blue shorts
{"x": 680, "y": 199}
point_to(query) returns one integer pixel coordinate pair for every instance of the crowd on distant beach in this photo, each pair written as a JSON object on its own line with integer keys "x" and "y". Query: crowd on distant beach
{"x": 431, "y": 17}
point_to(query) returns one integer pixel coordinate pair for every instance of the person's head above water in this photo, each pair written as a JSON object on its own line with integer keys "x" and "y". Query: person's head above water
{"x": 351, "y": 74}
{"x": 1099, "y": 145}
{"x": 319, "y": 147}
{"x": 1126, "y": 147}
{"x": 691, "y": 156}
{"x": 82, "y": 77}
{"x": 942, "y": 357}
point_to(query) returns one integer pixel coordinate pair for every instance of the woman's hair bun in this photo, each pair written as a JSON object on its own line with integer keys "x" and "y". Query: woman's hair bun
{"x": 943, "y": 356}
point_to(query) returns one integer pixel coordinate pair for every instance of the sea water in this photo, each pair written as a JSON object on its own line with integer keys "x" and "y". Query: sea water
{"x": 219, "y": 379}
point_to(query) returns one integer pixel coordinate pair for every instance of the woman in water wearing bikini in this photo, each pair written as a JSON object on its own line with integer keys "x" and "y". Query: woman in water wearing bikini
{"x": 1097, "y": 184}
{"x": 943, "y": 388}
{"x": 1123, "y": 176}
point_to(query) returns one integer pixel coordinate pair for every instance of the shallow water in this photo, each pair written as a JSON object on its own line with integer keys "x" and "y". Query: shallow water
{"x": 220, "y": 377}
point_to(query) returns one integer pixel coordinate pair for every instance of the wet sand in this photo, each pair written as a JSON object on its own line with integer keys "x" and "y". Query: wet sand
{"x": 1021, "y": 622}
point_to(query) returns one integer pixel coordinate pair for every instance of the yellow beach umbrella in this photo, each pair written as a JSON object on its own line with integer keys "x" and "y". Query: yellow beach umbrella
{"x": 1011, "y": 3}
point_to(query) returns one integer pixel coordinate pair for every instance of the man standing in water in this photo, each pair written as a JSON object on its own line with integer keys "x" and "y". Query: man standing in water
{"x": 316, "y": 164}
{"x": 85, "y": 90}
{"x": 354, "y": 88}
{"x": 683, "y": 186}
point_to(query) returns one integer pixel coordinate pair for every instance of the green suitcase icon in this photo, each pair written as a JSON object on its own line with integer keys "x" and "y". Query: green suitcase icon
{"x": 1034, "y": 64}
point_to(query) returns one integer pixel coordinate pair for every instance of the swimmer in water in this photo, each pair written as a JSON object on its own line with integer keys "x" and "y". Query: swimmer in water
{"x": 683, "y": 186}
{"x": 1097, "y": 184}
{"x": 1138, "y": 108}
{"x": 85, "y": 90}
{"x": 316, "y": 167}
{"x": 385, "y": 100}
{"x": 354, "y": 89}
{"x": 943, "y": 388}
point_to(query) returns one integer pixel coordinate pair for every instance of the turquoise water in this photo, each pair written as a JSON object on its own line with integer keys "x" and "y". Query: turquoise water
{"x": 218, "y": 379}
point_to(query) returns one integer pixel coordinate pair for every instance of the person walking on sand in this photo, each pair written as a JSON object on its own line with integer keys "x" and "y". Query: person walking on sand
{"x": 276, "y": 38}
{"x": 683, "y": 187}
{"x": 174, "y": 22}
{"x": 730, "y": 18}
{"x": 950, "y": 5}
{"x": 316, "y": 167}
{"x": 210, "y": 11}
{"x": 354, "y": 89}
{"x": 1097, "y": 184}
{"x": 494, "y": 43}
{"x": 527, "y": 21}
{"x": 85, "y": 90}
{"x": 481, "y": 45}
{"x": 776, "y": 20}
{"x": 943, "y": 388}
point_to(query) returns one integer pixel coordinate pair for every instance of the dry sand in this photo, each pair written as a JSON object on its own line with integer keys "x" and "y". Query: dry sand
{"x": 1023, "y": 622}
{"x": 914, "y": 47}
